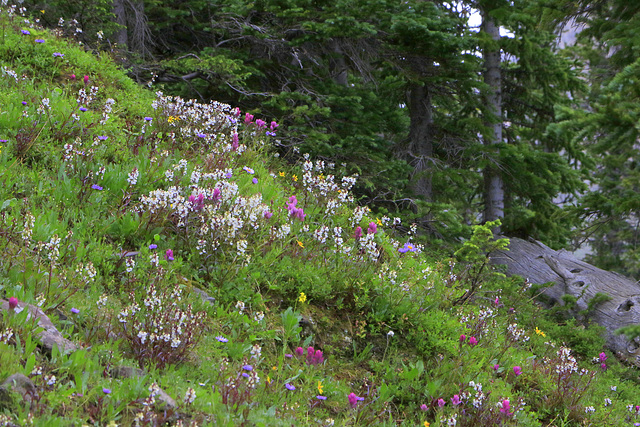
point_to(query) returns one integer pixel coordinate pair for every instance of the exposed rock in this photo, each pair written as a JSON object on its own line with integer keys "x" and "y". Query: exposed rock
{"x": 50, "y": 337}
{"x": 16, "y": 383}
{"x": 541, "y": 264}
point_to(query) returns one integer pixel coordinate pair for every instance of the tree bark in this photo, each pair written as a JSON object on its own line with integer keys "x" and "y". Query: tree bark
{"x": 120, "y": 36}
{"x": 420, "y": 141}
{"x": 493, "y": 185}
{"x": 541, "y": 264}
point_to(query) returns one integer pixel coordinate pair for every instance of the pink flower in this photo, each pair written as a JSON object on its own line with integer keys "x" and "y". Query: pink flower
{"x": 72, "y": 76}
{"x": 299, "y": 351}
{"x": 517, "y": 370}
{"x": 496, "y": 367}
{"x": 463, "y": 338}
{"x": 353, "y": 399}
{"x": 274, "y": 126}
{"x": 603, "y": 357}
{"x": 473, "y": 341}
{"x": 235, "y": 142}
{"x": 505, "y": 407}
{"x": 260, "y": 124}
{"x": 423, "y": 407}
{"x": 86, "y": 79}
{"x": 441, "y": 402}
{"x": 248, "y": 118}
{"x": 13, "y": 303}
{"x": 373, "y": 228}
{"x": 169, "y": 255}
{"x": 268, "y": 215}
{"x": 455, "y": 400}
{"x": 358, "y": 233}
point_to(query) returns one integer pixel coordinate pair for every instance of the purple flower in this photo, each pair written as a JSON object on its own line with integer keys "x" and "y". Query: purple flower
{"x": 603, "y": 357}
{"x": 235, "y": 142}
{"x": 373, "y": 228}
{"x": 441, "y": 402}
{"x": 248, "y": 118}
{"x": 103, "y": 137}
{"x": 25, "y": 32}
{"x": 13, "y": 303}
{"x": 39, "y": 40}
{"x": 169, "y": 255}
{"x": 603, "y": 366}
{"x": 455, "y": 400}
{"x": 423, "y": 407}
{"x": 517, "y": 370}
{"x": 146, "y": 118}
{"x": 106, "y": 391}
{"x": 4, "y": 140}
{"x": 289, "y": 387}
{"x": 244, "y": 374}
{"x": 96, "y": 187}
{"x": 221, "y": 338}
{"x": 228, "y": 175}
{"x": 353, "y": 400}
{"x": 248, "y": 170}
{"x": 496, "y": 367}
{"x": 24, "y": 102}
{"x": 321, "y": 397}
{"x": 254, "y": 180}
{"x": 153, "y": 246}
{"x": 358, "y": 233}
{"x": 268, "y": 215}
{"x": 473, "y": 341}
{"x": 299, "y": 351}
{"x": 274, "y": 126}
{"x": 288, "y": 355}
{"x": 408, "y": 247}
{"x": 247, "y": 368}
{"x": 260, "y": 124}
{"x": 83, "y": 109}
{"x": 201, "y": 135}
{"x": 75, "y": 310}
{"x": 58, "y": 54}
{"x": 505, "y": 407}
{"x": 463, "y": 338}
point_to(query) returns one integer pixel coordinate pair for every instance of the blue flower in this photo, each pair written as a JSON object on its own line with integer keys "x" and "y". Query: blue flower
{"x": 221, "y": 338}
{"x": 408, "y": 247}
{"x": 25, "y": 32}
{"x": 289, "y": 387}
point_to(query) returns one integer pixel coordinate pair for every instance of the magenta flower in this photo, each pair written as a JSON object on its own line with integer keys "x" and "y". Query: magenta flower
{"x": 274, "y": 126}
{"x": 248, "y": 118}
{"x": 506, "y": 406}
{"x": 473, "y": 341}
{"x": 603, "y": 366}
{"x": 423, "y": 407}
{"x": 268, "y": 215}
{"x": 463, "y": 338}
{"x": 216, "y": 194}
{"x": 358, "y": 233}
{"x": 299, "y": 351}
{"x": 373, "y": 228}
{"x": 235, "y": 142}
{"x": 496, "y": 367}
{"x": 455, "y": 400}
{"x": 314, "y": 357}
{"x": 72, "y": 76}
{"x": 86, "y": 80}
{"x": 13, "y": 303}
{"x": 603, "y": 357}
{"x": 441, "y": 402}
{"x": 517, "y": 370}
{"x": 169, "y": 255}
{"x": 260, "y": 124}
{"x": 353, "y": 399}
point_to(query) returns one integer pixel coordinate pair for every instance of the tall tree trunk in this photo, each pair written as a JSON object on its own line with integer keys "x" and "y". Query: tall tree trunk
{"x": 338, "y": 63}
{"x": 120, "y": 36}
{"x": 420, "y": 141}
{"x": 493, "y": 185}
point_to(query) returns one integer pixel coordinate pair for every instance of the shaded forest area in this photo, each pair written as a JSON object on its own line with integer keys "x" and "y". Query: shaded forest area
{"x": 447, "y": 124}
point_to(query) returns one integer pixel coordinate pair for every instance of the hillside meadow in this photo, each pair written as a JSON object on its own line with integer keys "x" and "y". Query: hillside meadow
{"x": 198, "y": 274}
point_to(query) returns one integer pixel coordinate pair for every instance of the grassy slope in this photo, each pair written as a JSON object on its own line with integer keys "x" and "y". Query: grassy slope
{"x": 388, "y": 322}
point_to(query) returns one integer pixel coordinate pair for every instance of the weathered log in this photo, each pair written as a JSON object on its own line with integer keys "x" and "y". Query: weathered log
{"x": 541, "y": 264}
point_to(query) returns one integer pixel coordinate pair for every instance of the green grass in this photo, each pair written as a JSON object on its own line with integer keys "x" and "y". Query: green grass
{"x": 388, "y": 323}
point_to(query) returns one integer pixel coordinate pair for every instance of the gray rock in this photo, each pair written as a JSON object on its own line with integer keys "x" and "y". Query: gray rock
{"x": 16, "y": 383}
{"x": 50, "y": 337}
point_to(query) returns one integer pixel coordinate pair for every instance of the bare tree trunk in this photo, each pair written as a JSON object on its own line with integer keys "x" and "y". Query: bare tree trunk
{"x": 420, "y": 141}
{"x": 338, "y": 63}
{"x": 493, "y": 185}
{"x": 120, "y": 36}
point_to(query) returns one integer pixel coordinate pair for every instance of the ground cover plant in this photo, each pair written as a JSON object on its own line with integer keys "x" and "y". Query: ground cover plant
{"x": 201, "y": 280}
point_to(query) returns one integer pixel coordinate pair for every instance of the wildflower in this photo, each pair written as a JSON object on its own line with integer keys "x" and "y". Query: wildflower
{"x": 153, "y": 246}
{"x": 83, "y": 109}
{"x": 455, "y": 400}
{"x": 248, "y": 118}
{"x": 517, "y": 370}
{"x": 201, "y": 135}
{"x": 426, "y": 424}
{"x": 13, "y": 303}
{"x": 373, "y": 228}
{"x": 589, "y": 409}
{"x": 607, "y": 401}
{"x": 505, "y": 407}
{"x": 463, "y": 338}
{"x": 248, "y": 170}
{"x": 353, "y": 399}
{"x": 539, "y": 332}
{"x": 602, "y": 357}
{"x": 302, "y": 298}
{"x": 235, "y": 142}
{"x": 321, "y": 397}
{"x": 295, "y": 178}
{"x": 288, "y": 355}
{"x": 39, "y": 40}
{"x": 473, "y": 341}
{"x": 86, "y": 79}
{"x": 274, "y": 126}
{"x": 289, "y": 387}
{"x": 75, "y": 310}
{"x": 23, "y": 103}
{"x": 441, "y": 402}
{"x": 189, "y": 396}
{"x": 496, "y": 367}
{"x": 260, "y": 124}
{"x": 106, "y": 391}
{"x": 102, "y": 137}
{"x": 254, "y": 180}
{"x": 96, "y": 187}
{"x": 320, "y": 387}
{"x": 148, "y": 119}
{"x": 72, "y": 76}
{"x": 222, "y": 339}
{"x": 358, "y": 233}
{"x": 58, "y": 55}
{"x": 299, "y": 351}
{"x": 25, "y": 32}
{"x": 247, "y": 367}
{"x": 423, "y": 407}
{"x": 408, "y": 247}
{"x": 169, "y": 255}
{"x": 268, "y": 215}
{"x": 390, "y": 333}
{"x": 282, "y": 174}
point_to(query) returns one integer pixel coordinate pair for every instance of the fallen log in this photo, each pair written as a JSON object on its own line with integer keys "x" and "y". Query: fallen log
{"x": 540, "y": 264}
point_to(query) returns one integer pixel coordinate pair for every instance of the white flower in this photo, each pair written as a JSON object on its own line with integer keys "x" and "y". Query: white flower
{"x": 390, "y": 333}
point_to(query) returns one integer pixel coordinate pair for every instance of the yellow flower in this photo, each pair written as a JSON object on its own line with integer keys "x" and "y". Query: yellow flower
{"x": 378, "y": 221}
{"x": 539, "y": 332}
{"x": 295, "y": 178}
{"x": 426, "y": 424}
{"x": 302, "y": 298}
{"x": 320, "y": 386}
{"x": 275, "y": 368}
{"x": 321, "y": 177}
{"x": 268, "y": 379}
{"x": 282, "y": 174}
{"x": 42, "y": 11}
{"x": 300, "y": 243}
